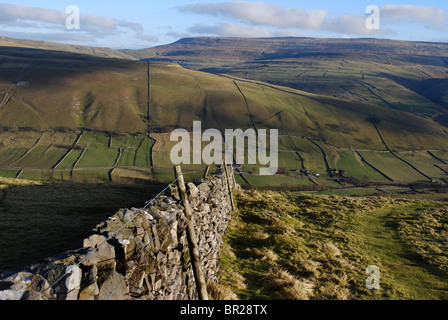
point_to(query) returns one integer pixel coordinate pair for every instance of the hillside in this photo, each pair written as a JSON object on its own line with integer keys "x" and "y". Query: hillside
{"x": 82, "y": 103}
{"x": 52, "y": 46}
{"x": 408, "y": 76}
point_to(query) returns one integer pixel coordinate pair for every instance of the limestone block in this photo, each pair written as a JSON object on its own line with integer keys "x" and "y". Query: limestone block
{"x": 101, "y": 252}
{"x": 112, "y": 287}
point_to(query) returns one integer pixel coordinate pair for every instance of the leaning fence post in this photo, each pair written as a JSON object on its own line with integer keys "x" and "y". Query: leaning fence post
{"x": 201, "y": 285}
{"x": 229, "y": 185}
{"x": 206, "y": 172}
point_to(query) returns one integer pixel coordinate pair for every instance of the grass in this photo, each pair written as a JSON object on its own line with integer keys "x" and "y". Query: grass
{"x": 42, "y": 157}
{"x": 381, "y": 76}
{"x": 95, "y": 155}
{"x": 405, "y": 274}
{"x": 297, "y": 113}
{"x": 92, "y": 176}
{"x": 349, "y": 192}
{"x": 426, "y": 229}
{"x": 137, "y": 154}
{"x": 11, "y": 155}
{"x": 110, "y": 100}
{"x": 8, "y": 173}
{"x": 441, "y": 155}
{"x": 279, "y": 182}
{"x": 303, "y": 246}
{"x": 37, "y": 175}
{"x": 392, "y": 167}
{"x": 129, "y": 176}
{"x": 416, "y": 139}
{"x": 355, "y": 167}
{"x": 98, "y": 153}
{"x": 425, "y": 163}
{"x": 70, "y": 161}
{"x": 42, "y": 219}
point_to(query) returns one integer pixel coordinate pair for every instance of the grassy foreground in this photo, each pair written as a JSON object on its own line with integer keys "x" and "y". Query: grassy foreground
{"x": 298, "y": 246}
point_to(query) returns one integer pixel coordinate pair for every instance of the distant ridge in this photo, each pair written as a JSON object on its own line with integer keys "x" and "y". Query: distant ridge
{"x": 257, "y": 47}
{"x": 45, "y": 45}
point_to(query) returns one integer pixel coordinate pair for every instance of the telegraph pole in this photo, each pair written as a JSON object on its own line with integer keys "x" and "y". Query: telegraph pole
{"x": 149, "y": 100}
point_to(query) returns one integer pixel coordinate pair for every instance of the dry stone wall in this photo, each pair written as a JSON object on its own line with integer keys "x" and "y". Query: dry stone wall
{"x": 139, "y": 253}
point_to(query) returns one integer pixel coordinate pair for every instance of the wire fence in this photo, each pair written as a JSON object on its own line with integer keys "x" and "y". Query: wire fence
{"x": 110, "y": 237}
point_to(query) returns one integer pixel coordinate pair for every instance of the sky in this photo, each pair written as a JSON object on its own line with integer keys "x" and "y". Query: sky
{"x": 137, "y": 24}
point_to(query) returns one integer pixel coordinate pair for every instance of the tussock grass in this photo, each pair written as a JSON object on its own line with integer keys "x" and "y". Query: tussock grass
{"x": 287, "y": 286}
{"x": 220, "y": 292}
{"x": 330, "y": 250}
{"x": 427, "y": 231}
{"x": 317, "y": 247}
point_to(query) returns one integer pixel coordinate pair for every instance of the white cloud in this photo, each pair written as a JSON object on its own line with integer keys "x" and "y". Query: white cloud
{"x": 260, "y": 13}
{"x": 289, "y": 19}
{"x": 10, "y": 12}
{"x": 231, "y": 30}
{"x": 147, "y": 37}
{"x": 44, "y": 23}
{"x": 430, "y": 17}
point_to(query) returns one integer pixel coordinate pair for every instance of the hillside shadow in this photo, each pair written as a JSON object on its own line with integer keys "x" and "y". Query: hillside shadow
{"x": 41, "y": 221}
{"x": 62, "y": 64}
{"x": 423, "y": 87}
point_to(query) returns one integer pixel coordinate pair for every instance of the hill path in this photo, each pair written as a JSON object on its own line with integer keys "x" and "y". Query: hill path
{"x": 399, "y": 266}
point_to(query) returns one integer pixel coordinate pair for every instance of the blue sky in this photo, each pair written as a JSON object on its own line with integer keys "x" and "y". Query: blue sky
{"x": 138, "y": 24}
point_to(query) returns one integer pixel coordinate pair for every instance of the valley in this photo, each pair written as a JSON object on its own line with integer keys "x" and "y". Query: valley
{"x": 63, "y": 95}
{"x": 363, "y": 153}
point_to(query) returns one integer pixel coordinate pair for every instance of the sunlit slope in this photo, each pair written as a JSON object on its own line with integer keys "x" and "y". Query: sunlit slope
{"x": 180, "y": 96}
{"x": 399, "y": 75}
{"x": 45, "y": 90}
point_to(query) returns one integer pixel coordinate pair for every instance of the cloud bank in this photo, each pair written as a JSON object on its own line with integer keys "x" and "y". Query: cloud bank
{"x": 256, "y": 17}
{"x": 50, "y": 24}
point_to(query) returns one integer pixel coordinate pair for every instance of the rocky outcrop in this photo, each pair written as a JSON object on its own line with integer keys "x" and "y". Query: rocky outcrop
{"x": 136, "y": 254}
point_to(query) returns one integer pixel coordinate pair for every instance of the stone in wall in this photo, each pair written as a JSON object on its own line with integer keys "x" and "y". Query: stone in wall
{"x": 137, "y": 254}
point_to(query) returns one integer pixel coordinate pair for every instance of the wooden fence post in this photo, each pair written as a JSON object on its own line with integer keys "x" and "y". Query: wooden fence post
{"x": 229, "y": 185}
{"x": 201, "y": 284}
{"x": 206, "y": 172}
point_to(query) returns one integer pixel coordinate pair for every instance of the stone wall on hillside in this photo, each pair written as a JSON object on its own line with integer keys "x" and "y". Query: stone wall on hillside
{"x": 138, "y": 253}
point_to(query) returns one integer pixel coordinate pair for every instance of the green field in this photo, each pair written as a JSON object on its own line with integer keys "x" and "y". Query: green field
{"x": 115, "y": 158}
{"x": 71, "y": 158}
{"x": 9, "y": 173}
{"x": 279, "y": 182}
{"x": 393, "y": 167}
{"x": 355, "y": 167}
{"x": 426, "y": 164}
{"x": 11, "y": 155}
{"x": 93, "y": 159}
{"x": 98, "y": 153}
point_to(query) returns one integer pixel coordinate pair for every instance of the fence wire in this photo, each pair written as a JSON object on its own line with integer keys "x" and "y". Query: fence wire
{"x": 113, "y": 235}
